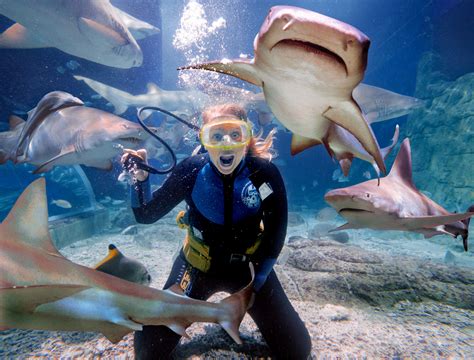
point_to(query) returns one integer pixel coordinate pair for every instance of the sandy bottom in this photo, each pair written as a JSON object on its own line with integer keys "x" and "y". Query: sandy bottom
{"x": 426, "y": 330}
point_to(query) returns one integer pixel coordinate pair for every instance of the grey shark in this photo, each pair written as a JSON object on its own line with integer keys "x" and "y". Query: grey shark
{"x": 397, "y": 205}
{"x": 41, "y": 289}
{"x": 190, "y": 101}
{"x": 308, "y": 65}
{"x": 90, "y": 29}
{"x": 61, "y": 131}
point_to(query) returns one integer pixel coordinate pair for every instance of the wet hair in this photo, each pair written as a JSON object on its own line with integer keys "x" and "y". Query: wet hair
{"x": 257, "y": 147}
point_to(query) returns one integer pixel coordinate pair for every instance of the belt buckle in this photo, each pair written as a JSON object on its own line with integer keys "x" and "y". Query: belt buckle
{"x": 237, "y": 258}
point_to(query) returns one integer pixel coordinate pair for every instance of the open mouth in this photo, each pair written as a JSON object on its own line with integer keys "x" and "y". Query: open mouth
{"x": 226, "y": 160}
{"x": 132, "y": 140}
{"x": 312, "y": 48}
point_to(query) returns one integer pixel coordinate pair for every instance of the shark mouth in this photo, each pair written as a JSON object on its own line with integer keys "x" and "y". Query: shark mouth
{"x": 354, "y": 210}
{"x": 312, "y": 48}
{"x": 132, "y": 140}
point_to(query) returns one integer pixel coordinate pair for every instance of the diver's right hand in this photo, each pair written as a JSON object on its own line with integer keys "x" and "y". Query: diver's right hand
{"x": 138, "y": 174}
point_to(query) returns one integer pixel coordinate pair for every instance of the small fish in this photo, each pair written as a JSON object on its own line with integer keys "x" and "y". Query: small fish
{"x": 60, "y": 69}
{"x": 117, "y": 202}
{"x": 367, "y": 175}
{"x": 62, "y": 203}
{"x": 117, "y": 264}
{"x": 315, "y": 183}
{"x": 72, "y": 64}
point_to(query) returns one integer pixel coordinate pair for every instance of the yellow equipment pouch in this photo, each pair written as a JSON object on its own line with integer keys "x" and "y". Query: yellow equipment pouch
{"x": 196, "y": 253}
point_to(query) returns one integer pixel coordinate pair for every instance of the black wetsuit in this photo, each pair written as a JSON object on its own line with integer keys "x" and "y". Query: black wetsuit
{"x": 227, "y": 211}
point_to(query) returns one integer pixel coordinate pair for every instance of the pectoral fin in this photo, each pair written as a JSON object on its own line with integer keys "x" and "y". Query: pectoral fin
{"x": 433, "y": 221}
{"x": 300, "y": 143}
{"x": 115, "y": 335}
{"x": 348, "y": 115}
{"x": 48, "y": 165}
{"x": 100, "y": 34}
{"x": 241, "y": 68}
{"x": 19, "y": 37}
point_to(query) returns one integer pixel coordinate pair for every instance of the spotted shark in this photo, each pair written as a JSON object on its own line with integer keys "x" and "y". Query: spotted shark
{"x": 41, "y": 289}
{"x": 60, "y": 130}
{"x": 89, "y": 29}
{"x": 189, "y": 101}
{"x": 308, "y": 65}
{"x": 397, "y": 205}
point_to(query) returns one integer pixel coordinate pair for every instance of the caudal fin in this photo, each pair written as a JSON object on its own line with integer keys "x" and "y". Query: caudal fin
{"x": 237, "y": 305}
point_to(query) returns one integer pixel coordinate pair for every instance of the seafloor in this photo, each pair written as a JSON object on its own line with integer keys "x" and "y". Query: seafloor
{"x": 362, "y": 294}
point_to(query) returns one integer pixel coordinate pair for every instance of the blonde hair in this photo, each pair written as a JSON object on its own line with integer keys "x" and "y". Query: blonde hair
{"x": 257, "y": 147}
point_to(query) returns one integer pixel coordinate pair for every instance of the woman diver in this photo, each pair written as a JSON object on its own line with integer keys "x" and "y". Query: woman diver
{"x": 236, "y": 212}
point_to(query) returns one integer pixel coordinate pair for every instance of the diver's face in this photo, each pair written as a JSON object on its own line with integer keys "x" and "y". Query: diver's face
{"x": 226, "y": 161}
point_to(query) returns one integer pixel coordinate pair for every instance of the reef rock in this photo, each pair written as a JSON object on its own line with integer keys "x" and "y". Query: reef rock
{"x": 442, "y": 135}
{"x": 344, "y": 274}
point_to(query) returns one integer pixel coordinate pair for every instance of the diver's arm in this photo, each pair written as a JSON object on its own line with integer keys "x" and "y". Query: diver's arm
{"x": 170, "y": 194}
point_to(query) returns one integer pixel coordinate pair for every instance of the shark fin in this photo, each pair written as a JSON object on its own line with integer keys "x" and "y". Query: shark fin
{"x": 99, "y": 33}
{"x": 48, "y": 165}
{"x": 152, "y": 88}
{"x": 348, "y": 115}
{"x": 28, "y": 219}
{"x": 386, "y": 150}
{"x": 345, "y": 165}
{"x": 179, "y": 329}
{"x": 129, "y": 323}
{"x": 114, "y": 253}
{"x": 19, "y": 37}
{"x": 300, "y": 143}
{"x": 242, "y": 68}
{"x": 15, "y": 121}
{"x": 25, "y": 299}
{"x": 117, "y": 334}
{"x": 401, "y": 168}
{"x": 417, "y": 222}
{"x": 343, "y": 227}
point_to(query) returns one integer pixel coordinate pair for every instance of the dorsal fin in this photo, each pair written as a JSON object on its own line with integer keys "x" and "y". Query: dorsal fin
{"x": 152, "y": 88}
{"x": 15, "y": 121}
{"x": 27, "y": 221}
{"x": 113, "y": 253}
{"x": 402, "y": 166}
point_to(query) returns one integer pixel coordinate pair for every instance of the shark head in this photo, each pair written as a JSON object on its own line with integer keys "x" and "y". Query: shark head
{"x": 295, "y": 37}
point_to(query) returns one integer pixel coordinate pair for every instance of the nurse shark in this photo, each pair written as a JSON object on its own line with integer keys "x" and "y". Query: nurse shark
{"x": 90, "y": 29}
{"x": 60, "y": 130}
{"x": 397, "y": 205}
{"x": 41, "y": 289}
{"x": 308, "y": 65}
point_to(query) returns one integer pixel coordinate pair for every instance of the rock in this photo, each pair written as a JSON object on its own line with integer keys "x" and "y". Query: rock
{"x": 335, "y": 272}
{"x": 320, "y": 230}
{"x": 341, "y": 237}
{"x": 449, "y": 258}
{"x": 335, "y": 312}
{"x": 295, "y": 238}
{"x": 131, "y": 230}
{"x": 284, "y": 255}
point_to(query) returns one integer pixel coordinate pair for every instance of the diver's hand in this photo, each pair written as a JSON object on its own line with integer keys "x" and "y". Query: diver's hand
{"x": 138, "y": 174}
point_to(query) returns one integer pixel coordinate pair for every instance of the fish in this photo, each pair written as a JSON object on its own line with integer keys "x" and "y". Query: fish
{"x": 88, "y": 29}
{"x": 117, "y": 264}
{"x": 60, "y": 130}
{"x": 62, "y": 203}
{"x": 189, "y": 101}
{"x": 379, "y": 104}
{"x": 308, "y": 65}
{"x": 41, "y": 289}
{"x": 397, "y": 205}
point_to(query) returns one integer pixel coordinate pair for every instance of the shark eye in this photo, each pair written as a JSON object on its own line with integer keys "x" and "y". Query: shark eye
{"x": 367, "y": 195}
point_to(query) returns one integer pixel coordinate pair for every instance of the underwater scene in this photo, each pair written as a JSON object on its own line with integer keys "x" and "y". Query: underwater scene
{"x": 236, "y": 179}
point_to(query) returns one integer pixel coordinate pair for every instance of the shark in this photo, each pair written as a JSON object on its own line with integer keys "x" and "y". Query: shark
{"x": 60, "y": 130}
{"x": 396, "y": 204}
{"x": 138, "y": 28}
{"x": 308, "y": 65}
{"x": 41, "y": 289}
{"x": 189, "y": 101}
{"x": 89, "y": 29}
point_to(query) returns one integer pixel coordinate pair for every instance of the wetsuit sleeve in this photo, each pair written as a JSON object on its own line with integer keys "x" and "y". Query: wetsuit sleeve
{"x": 170, "y": 194}
{"x": 275, "y": 212}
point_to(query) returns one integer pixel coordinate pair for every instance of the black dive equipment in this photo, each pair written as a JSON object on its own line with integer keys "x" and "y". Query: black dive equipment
{"x": 135, "y": 161}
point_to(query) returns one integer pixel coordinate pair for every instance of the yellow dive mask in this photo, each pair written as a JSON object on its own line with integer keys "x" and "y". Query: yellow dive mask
{"x": 226, "y": 134}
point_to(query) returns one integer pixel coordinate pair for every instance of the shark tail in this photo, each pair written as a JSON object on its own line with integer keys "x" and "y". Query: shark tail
{"x": 466, "y": 222}
{"x": 237, "y": 305}
{"x": 118, "y": 98}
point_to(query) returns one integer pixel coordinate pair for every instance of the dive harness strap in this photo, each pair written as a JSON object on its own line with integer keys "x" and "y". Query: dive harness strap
{"x": 197, "y": 253}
